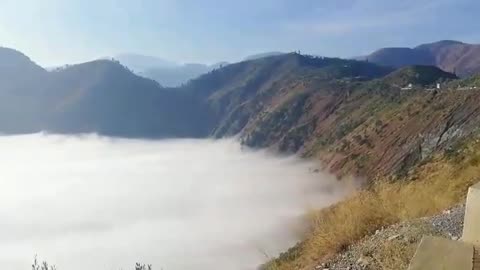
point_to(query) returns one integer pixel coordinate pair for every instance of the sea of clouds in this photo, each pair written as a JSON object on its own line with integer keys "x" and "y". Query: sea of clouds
{"x": 90, "y": 202}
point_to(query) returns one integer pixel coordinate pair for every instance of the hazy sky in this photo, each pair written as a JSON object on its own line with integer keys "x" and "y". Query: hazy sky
{"x": 55, "y": 32}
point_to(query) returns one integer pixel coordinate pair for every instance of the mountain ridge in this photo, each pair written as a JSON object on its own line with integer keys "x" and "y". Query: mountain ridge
{"x": 452, "y": 56}
{"x": 324, "y": 108}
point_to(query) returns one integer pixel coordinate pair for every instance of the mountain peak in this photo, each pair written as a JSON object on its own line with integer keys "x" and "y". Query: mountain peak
{"x": 95, "y": 66}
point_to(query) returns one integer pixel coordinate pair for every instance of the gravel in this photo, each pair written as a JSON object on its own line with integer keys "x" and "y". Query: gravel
{"x": 450, "y": 222}
{"x": 369, "y": 252}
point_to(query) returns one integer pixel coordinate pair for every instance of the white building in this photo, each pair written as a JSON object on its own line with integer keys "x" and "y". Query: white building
{"x": 408, "y": 87}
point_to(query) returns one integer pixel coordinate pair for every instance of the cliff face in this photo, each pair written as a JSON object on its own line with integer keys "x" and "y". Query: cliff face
{"x": 368, "y": 131}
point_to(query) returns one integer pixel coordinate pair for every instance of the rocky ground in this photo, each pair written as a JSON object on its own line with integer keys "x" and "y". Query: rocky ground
{"x": 394, "y": 246}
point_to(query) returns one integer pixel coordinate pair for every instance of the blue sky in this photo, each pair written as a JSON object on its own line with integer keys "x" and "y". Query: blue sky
{"x": 54, "y": 32}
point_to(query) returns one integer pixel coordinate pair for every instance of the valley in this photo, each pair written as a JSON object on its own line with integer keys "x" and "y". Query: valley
{"x": 408, "y": 133}
{"x": 355, "y": 117}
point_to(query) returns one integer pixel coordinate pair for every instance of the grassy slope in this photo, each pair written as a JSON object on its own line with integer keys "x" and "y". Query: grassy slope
{"x": 430, "y": 186}
{"x": 441, "y": 183}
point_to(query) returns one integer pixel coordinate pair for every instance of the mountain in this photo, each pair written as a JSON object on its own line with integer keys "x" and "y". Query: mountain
{"x": 452, "y": 56}
{"x": 100, "y": 96}
{"x": 15, "y": 68}
{"x": 239, "y": 94}
{"x": 104, "y": 96}
{"x": 18, "y": 76}
{"x": 351, "y": 115}
{"x": 107, "y": 98}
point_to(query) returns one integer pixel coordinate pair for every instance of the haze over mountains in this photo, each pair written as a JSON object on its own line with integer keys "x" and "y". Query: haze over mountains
{"x": 105, "y": 97}
{"x": 460, "y": 58}
{"x": 172, "y": 74}
{"x": 295, "y": 103}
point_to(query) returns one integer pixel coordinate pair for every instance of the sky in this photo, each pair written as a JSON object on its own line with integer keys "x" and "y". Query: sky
{"x": 56, "y": 32}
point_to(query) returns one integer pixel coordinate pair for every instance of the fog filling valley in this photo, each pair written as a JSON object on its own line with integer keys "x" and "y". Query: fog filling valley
{"x": 92, "y": 202}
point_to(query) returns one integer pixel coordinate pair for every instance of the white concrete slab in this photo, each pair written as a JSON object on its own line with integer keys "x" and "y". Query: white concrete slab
{"x": 471, "y": 227}
{"x": 436, "y": 253}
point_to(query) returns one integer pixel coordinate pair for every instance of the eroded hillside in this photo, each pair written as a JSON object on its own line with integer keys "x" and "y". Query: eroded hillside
{"x": 344, "y": 113}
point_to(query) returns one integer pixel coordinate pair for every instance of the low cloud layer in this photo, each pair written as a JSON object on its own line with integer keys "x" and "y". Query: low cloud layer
{"x": 98, "y": 203}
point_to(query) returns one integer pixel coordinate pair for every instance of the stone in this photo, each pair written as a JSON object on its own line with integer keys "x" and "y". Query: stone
{"x": 393, "y": 237}
{"x": 363, "y": 261}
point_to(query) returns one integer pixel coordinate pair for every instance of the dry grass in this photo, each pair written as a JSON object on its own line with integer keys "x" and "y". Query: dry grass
{"x": 441, "y": 183}
{"x": 396, "y": 254}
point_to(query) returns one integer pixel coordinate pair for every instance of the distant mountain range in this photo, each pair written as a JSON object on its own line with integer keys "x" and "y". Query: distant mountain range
{"x": 140, "y": 63}
{"x": 452, "y": 56}
{"x": 171, "y": 74}
{"x": 105, "y": 97}
{"x": 177, "y": 75}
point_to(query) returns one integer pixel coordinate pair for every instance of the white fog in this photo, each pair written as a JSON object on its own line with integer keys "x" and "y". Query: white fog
{"x": 92, "y": 202}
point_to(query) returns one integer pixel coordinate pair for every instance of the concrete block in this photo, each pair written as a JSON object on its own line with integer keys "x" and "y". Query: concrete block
{"x": 471, "y": 227}
{"x": 436, "y": 253}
